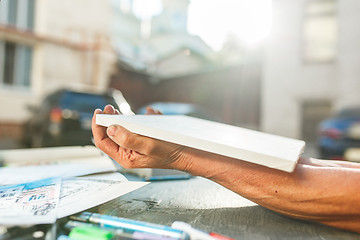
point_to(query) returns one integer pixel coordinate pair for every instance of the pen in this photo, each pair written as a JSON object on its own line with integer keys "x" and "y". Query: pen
{"x": 196, "y": 234}
{"x": 131, "y": 225}
{"x": 119, "y": 233}
{"x": 167, "y": 178}
{"x": 90, "y": 233}
{"x": 87, "y": 230}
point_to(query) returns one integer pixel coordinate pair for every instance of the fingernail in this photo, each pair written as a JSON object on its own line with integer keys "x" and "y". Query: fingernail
{"x": 111, "y": 131}
{"x": 97, "y": 111}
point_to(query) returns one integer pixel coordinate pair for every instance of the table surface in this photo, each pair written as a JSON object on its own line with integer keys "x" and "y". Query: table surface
{"x": 212, "y": 208}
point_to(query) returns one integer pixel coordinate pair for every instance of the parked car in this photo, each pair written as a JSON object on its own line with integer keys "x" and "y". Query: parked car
{"x": 339, "y": 133}
{"x": 64, "y": 118}
{"x": 180, "y": 108}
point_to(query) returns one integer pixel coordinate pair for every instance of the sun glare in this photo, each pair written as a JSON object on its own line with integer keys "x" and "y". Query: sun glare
{"x": 214, "y": 20}
{"x": 144, "y": 9}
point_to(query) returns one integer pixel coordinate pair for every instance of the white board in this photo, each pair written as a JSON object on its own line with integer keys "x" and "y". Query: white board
{"x": 253, "y": 146}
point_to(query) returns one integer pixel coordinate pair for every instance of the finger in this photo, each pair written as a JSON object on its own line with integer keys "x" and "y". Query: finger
{"x": 150, "y": 110}
{"x": 109, "y": 109}
{"x": 101, "y": 139}
{"x": 97, "y": 111}
{"x": 126, "y": 139}
{"x": 99, "y": 132}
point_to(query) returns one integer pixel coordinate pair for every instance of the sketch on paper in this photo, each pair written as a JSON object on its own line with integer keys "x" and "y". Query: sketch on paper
{"x": 30, "y": 203}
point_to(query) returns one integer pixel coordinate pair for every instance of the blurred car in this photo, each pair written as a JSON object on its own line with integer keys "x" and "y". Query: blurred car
{"x": 179, "y": 108}
{"x": 64, "y": 118}
{"x": 339, "y": 133}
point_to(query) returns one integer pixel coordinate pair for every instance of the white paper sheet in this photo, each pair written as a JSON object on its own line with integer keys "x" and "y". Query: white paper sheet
{"x": 48, "y": 155}
{"x": 30, "y": 203}
{"x": 81, "y": 193}
{"x": 40, "y": 185}
{"x": 44, "y": 201}
{"x": 34, "y": 164}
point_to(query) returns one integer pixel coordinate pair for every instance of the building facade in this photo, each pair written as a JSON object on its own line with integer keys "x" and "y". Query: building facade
{"x": 311, "y": 65}
{"x": 46, "y": 45}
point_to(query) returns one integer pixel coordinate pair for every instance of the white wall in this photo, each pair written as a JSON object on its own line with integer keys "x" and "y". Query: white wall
{"x": 83, "y": 23}
{"x": 349, "y": 47}
{"x": 77, "y": 20}
{"x": 287, "y": 80}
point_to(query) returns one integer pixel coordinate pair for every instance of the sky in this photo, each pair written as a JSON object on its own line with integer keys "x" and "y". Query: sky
{"x": 214, "y": 20}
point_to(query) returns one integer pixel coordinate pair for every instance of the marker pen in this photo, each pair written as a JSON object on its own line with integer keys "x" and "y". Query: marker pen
{"x": 70, "y": 225}
{"x": 196, "y": 234}
{"x": 118, "y": 232}
{"x": 167, "y": 178}
{"x": 90, "y": 233}
{"x": 131, "y": 225}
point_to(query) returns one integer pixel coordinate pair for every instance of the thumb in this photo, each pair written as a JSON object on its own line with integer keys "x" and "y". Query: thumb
{"x": 126, "y": 139}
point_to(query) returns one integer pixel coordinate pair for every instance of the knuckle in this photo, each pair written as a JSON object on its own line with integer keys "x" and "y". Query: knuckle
{"x": 126, "y": 159}
{"x": 98, "y": 144}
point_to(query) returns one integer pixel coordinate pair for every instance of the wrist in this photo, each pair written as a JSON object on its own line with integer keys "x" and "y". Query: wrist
{"x": 201, "y": 163}
{"x": 184, "y": 160}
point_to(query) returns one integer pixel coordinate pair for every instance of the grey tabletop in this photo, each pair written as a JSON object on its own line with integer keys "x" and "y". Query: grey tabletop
{"x": 210, "y": 207}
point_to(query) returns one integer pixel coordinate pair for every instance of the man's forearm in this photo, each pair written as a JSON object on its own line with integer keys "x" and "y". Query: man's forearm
{"x": 329, "y": 195}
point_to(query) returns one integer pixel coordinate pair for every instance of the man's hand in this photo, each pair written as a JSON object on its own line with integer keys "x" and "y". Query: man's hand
{"x": 135, "y": 151}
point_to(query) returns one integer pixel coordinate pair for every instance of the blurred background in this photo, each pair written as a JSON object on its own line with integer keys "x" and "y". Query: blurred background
{"x": 276, "y": 66}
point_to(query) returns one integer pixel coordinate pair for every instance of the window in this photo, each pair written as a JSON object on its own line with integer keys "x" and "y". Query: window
{"x": 320, "y": 31}
{"x": 17, "y": 13}
{"x": 15, "y": 64}
{"x": 15, "y": 58}
{"x": 313, "y": 112}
